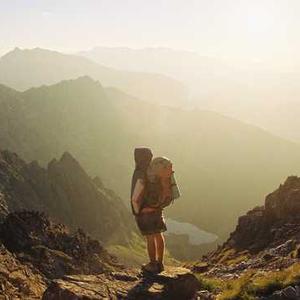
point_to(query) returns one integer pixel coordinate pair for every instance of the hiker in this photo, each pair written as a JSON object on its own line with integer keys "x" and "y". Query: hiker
{"x": 153, "y": 188}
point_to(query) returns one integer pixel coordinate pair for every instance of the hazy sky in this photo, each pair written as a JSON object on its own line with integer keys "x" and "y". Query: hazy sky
{"x": 253, "y": 29}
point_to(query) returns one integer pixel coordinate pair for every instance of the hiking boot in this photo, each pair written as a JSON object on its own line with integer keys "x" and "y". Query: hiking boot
{"x": 160, "y": 267}
{"x": 151, "y": 267}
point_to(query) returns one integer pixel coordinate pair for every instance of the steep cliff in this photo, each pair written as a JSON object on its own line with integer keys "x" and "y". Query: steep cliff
{"x": 261, "y": 258}
{"x": 66, "y": 192}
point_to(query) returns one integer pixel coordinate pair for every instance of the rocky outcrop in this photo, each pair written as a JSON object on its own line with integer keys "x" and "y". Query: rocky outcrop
{"x": 284, "y": 203}
{"x": 51, "y": 248}
{"x": 260, "y": 260}
{"x": 288, "y": 293}
{"x": 267, "y": 237}
{"x": 35, "y": 250}
{"x": 272, "y": 224}
{"x": 39, "y": 257}
{"x": 17, "y": 280}
{"x": 66, "y": 192}
{"x": 174, "y": 283}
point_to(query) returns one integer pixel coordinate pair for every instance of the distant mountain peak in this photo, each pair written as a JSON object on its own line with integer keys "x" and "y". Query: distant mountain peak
{"x": 66, "y": 162}
{"x": 52, "y": 163}
{"x": 16, "y": 50}
{"x": 83, "y": 85}
{"x": 81, "y": 80}
{"x": 86, "y": 79}
{"x": 11, "y": 53}
{"x": 69, "y": 161}
{"x": 67, "y": 156}
{"x": 64, "y": 191}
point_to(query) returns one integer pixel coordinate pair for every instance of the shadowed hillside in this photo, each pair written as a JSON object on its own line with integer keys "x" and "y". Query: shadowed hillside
{"x": 67, "y": 193}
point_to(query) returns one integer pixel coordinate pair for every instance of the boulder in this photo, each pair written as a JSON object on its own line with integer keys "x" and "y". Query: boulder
{"x": 284, "y": 203}
{"x": 19, "y": 281}
{"x": 51, "y": 248}
{"x": 174, "y": 283}
{"x": 205, "y": 295}
{"x": 288, "y": 293}
{"x": 273, "y": 224}
{"x": 200, "y": 267}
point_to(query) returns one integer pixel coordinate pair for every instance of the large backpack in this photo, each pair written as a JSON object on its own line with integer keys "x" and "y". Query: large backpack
{"x": 159, "y": 171}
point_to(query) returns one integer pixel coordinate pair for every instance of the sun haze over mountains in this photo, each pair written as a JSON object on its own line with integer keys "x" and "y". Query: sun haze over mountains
{"x": 212, "y": 85}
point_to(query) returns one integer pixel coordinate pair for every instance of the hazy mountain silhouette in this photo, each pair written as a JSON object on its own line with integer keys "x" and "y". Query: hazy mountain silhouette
{"x": 254, "y": 92}
{"x": 224, "y": 166}
{"x": 23, "y": 69}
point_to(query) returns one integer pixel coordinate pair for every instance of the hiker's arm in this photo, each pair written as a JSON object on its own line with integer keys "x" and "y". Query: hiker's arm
{"x": 137, "y": 196}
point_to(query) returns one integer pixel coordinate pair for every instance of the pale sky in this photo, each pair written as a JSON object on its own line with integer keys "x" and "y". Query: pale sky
{"x": 253, "y": 29}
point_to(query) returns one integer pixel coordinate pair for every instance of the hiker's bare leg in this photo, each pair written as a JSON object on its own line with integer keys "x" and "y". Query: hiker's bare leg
{"x": 151, "y": 247}
{"x": 160, "y": 247}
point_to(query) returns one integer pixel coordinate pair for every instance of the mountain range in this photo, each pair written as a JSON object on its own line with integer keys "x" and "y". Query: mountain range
{"x": 67, "y": 193}
{"x": 223, "y": 166}
{"x": 41, "y": 259}
{"x": 254, "y": 92}
{"x": 25, "y": 68}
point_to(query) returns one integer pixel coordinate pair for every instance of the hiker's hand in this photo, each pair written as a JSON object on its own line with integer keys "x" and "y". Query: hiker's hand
{"x": 137, "y": 196}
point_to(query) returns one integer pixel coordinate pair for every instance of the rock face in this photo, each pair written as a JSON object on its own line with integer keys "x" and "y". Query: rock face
{"x": 42, "y": 259}
{"x": 51, "y": 248}
{"x": 274, "y": 223}
{"x": 34, "y": 250}
{"x": 266, "y": 237}
{"x": 288, "y": 293}
{"x": 66, "y": 193}
{"x": 18, "y": 281}
{"x": 284, "y": 203}
{"x": 264, "y": 248}
{"x": 174, "y": 283}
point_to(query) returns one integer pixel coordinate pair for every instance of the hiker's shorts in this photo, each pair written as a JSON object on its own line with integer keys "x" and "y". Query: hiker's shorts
{"x": 151, "y": 222}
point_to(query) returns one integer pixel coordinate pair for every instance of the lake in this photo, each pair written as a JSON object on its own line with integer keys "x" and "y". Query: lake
{"x": 196, "y": 235}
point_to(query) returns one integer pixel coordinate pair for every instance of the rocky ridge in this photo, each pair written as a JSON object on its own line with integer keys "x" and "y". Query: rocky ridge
{"x": 43, "y": 260}
{"x": 260, "y": 260}
{"x": 265, "y": 244}
{"x": 51, "y": 248}
{"x": 34, "y": 250}
{"x": 173, "y": 283}
{"x": 17, "y": 280}
{"x": 65, "y": 192}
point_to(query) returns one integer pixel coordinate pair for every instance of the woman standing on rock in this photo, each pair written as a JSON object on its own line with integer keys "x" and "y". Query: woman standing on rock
{"x": 153, "y": 188}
